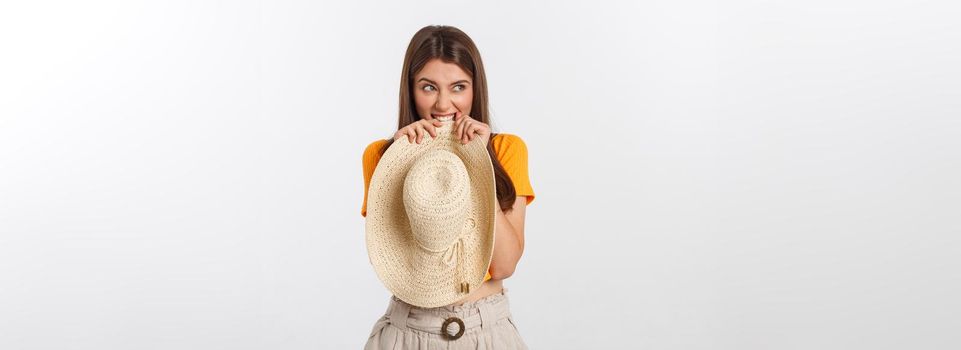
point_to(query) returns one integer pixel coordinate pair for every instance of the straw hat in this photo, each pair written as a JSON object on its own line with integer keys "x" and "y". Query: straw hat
{"x": 430, "y": 218}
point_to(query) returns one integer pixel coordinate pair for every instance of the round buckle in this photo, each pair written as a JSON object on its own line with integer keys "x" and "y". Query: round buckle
{"x": 447, "y": 322}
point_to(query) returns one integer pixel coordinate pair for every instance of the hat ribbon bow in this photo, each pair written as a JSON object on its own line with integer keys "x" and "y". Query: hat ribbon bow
{"x": 455, "y": 255}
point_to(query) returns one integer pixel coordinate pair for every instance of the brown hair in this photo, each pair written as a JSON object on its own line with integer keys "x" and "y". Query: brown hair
{"x": 451, "y": 45}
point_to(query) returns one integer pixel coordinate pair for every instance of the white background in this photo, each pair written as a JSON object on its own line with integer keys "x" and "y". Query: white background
{"x": 709, "y": 175}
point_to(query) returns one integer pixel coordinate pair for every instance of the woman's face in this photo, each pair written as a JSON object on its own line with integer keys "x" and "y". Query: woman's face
{"x": 441, "y": 88}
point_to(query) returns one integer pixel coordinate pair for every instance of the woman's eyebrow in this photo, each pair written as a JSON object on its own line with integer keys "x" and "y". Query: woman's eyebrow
{"x": 454, "y": 83}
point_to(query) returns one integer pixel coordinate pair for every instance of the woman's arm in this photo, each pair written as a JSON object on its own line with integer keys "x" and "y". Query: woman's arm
{"x": 508, "y": 240}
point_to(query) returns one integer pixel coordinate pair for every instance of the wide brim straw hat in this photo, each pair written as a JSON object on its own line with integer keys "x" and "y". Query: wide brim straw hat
{"x": 430, "y": 218}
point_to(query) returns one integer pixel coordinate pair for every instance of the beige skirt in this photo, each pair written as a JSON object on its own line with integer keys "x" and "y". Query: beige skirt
{"x": 483, "y": 324}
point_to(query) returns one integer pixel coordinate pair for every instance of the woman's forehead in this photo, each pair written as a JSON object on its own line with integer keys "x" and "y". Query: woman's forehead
{"x": 439, "y": 72}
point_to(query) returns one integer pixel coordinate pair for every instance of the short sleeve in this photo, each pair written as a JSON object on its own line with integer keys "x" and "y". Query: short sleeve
{"x": 369, "y": 160}
{"x": 511, "y": 151}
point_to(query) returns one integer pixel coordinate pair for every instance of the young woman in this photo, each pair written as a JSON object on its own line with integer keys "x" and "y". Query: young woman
{"x": 443, "y": 77}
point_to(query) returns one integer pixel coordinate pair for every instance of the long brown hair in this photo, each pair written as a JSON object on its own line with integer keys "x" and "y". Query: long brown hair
{"x": 451, "y": 45}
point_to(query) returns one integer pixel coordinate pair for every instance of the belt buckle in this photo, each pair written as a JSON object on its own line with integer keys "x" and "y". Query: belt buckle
{"x": 447, "y": 322}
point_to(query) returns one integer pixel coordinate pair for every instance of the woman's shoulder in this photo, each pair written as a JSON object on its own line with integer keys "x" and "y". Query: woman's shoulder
{"x": 507, "y": 136}
{"x": 376, "y": 143}
{"x": 508, "y": 142}
{"x": 374, "y": 146}
{"x": 372, "y": 153}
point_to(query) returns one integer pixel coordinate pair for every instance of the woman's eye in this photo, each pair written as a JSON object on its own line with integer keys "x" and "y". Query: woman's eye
{"x": 427, "y": 88}
{"x": 458, "y": 87}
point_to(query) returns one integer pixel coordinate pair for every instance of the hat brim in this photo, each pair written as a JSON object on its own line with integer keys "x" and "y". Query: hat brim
{"x": 414, "y": 275}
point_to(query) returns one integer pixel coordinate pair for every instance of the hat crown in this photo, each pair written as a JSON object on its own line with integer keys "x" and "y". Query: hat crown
{"x": 436, "y": 198}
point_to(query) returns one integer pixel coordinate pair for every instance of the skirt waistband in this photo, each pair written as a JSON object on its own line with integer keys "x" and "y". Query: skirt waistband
{"x": 480, "y": 313}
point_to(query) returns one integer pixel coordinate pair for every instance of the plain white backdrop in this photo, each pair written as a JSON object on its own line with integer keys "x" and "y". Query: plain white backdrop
{"x": 709, "y": 175}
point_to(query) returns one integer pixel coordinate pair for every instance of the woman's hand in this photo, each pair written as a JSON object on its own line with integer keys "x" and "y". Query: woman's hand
{"x": 466, "y": 128}
{"x": 418, "y": 129}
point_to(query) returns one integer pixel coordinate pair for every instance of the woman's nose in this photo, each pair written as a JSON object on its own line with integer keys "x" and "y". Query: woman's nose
{"x": 443, "y": 103}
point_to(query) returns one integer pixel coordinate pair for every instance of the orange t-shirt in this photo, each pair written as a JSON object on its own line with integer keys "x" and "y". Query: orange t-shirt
{"x": 511, "y": 152}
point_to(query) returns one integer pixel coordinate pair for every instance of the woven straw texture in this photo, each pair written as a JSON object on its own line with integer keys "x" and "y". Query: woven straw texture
{"x": 430, "y": 218}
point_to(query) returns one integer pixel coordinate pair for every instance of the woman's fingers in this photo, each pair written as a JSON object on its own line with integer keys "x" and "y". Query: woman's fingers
{"x": 474, "y": 131}
{"x": 470, "y": 131}
{"x": 422, "y": 128}
{"x": 462, "y": 128}
{"x": 459, "y": 119}
{"x": 464, "y": 125}
{"x": 432, "y": 128}
{"x": 420, "y": 133}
